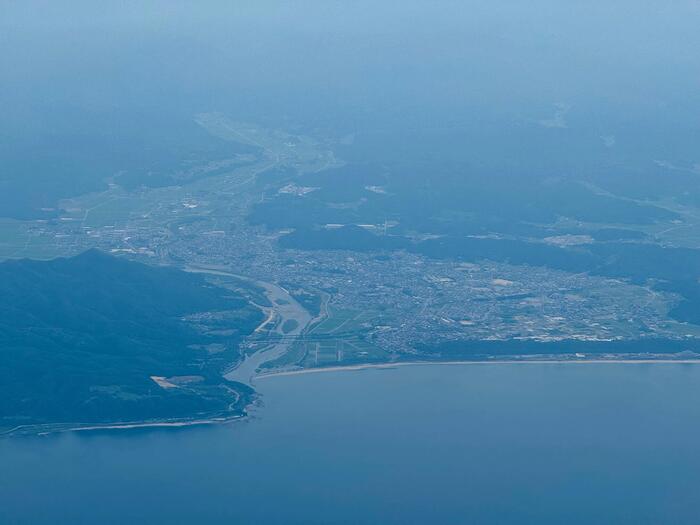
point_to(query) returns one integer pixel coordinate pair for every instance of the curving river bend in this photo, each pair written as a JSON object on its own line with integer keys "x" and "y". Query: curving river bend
{"x": 284, "y": 308}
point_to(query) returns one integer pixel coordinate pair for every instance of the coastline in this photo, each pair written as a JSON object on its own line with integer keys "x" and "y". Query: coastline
{"x": 380, "y": 366}
{"x": 45, "y": 430}
{"x": 154, "y": 424}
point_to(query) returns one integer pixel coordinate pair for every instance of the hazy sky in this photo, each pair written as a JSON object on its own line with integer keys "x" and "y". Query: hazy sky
{"x": 624, "y": 75}
{"x": 370, "y": 54}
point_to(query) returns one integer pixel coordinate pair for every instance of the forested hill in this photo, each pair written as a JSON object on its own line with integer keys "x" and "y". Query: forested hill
{"x": 82, "y": 338}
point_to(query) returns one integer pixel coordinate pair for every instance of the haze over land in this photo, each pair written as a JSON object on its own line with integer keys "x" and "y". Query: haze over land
{"x": 372, "y": 183}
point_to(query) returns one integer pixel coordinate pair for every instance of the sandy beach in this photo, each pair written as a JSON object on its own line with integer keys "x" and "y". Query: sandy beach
{"x": 354, "y": 368}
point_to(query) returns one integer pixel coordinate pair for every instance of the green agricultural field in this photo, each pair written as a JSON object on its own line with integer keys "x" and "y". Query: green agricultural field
{"x": 31, "y": 240}
{"x": 343, "y": 322}
{"x": 13, "y": 237}
{"x": 340, "y": 339}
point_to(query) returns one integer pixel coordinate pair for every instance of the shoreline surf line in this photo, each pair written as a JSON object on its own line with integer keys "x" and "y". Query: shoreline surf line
{"x": 37, "y": 430}
{"x": 355, "y": 368}
{"x": 162, "y": 424}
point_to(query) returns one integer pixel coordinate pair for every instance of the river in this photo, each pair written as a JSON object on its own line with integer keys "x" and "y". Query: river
{"x": 284, "y": 308}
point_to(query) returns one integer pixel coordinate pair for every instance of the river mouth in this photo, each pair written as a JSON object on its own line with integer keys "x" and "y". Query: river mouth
{"x": 288, "y": 318}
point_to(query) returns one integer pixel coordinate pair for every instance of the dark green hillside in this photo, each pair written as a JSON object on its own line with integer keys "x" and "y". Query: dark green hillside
{"x": 80, "y": 339}
{"x": 448, "y": 199}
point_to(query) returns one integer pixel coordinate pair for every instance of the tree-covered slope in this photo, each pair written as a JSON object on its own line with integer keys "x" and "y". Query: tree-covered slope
{"x": 82, "y": 338}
